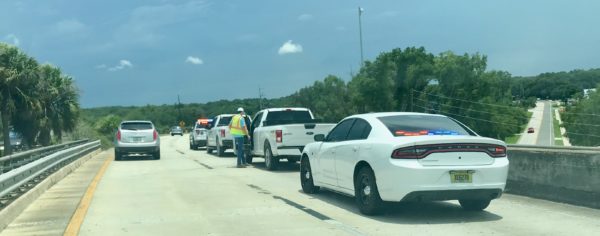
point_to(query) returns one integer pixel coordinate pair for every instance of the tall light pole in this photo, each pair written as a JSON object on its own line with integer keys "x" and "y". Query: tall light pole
{"x": 360, "y": 11}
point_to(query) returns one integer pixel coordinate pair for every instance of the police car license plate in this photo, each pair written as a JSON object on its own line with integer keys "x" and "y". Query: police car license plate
{"x": 461, "y": 176}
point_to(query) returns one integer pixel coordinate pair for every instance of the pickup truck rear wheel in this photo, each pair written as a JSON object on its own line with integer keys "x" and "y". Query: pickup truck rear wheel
{"x": 306, "y": 177}
{"x": 220, "y": 150}
{"x": 270, "y": 161}
{"x": 208, "y": 148}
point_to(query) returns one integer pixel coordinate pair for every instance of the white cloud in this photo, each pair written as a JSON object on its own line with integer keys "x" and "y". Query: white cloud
{"x": 122, "y": 65}
{"x": 101, "y": 66}
{"x": 305, "y": 17}
{"x": 70, "y": 26}
{"x": 11, "y": 38}
{"x": 146, "y": 24}
{"x": 289, "y": 47}
{"x": 194, "y": 60}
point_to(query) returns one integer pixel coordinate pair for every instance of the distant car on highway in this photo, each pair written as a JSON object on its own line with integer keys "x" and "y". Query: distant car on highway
{"x": 16, "y": 141}
{"x": 530, "y": 130}
{"x": 137, "y": 137}
{"x": 199, "y": 133}
{"x": 176, "y": 130}
{"x": 400, "y": 156}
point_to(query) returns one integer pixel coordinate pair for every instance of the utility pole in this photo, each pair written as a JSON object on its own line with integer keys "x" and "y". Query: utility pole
{"x": 360, "y": 11}
{"x": 179, "y": 107}
{"x": 260, "y": 98}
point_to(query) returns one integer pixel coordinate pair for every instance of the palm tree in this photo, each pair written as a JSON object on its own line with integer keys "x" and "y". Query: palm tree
{"x": 59, "y": 103}
{"x": 17, "y": 87}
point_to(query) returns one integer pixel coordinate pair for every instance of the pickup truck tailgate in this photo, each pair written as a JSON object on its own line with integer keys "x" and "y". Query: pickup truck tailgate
{"x": 302, "y": 134}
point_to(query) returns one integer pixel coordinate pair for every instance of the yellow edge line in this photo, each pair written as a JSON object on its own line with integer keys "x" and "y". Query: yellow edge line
{"x": 84, "y": 204}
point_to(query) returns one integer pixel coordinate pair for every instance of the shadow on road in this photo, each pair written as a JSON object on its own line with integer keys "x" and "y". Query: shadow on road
{"x": 413, "y": 212}
{"x": 284, "y": 166}
{"x": 137, "y": 158}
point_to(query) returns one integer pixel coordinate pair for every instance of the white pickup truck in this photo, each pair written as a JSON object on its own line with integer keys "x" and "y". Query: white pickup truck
{"x": 218, "y": 137}
{"x": 279, "y": 133}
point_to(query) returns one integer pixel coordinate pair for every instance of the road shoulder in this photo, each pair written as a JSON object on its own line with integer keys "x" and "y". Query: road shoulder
{"x": 51, "y": 212}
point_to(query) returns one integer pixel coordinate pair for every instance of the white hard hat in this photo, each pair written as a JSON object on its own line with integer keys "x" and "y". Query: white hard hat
{"x": 240, "y": 109}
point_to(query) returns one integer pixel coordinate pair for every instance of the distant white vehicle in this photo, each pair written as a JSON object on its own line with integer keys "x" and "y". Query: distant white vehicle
{"x": 282, "y": 133}
{"x": 402, "y": 156}
{"x": 199, "y": 133}
{"x": 218, "y": 137}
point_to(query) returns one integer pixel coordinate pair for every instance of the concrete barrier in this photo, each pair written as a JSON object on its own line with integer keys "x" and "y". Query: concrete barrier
{"x": 569, "y": 174}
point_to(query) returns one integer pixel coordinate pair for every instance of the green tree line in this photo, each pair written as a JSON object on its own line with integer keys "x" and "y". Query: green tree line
{"x": 581, "y": 121}
{"x": 36, "y": 100}
{"x": 400, "y": 80}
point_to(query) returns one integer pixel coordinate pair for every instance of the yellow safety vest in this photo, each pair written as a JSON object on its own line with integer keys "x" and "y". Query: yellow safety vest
{"x": 236, "y": 126}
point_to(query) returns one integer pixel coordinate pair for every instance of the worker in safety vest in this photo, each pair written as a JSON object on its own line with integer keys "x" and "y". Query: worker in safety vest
{"x": 239, "y": 129}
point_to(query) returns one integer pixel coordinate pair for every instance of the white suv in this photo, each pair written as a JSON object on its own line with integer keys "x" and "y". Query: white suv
{"x": 137, "y": 137}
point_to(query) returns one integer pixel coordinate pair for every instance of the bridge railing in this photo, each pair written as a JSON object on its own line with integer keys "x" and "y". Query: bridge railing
{"x": 24, "y": 177}
{"x": 10, "y": 162}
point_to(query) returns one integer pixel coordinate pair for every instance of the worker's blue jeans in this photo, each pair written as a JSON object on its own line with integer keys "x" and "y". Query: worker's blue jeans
{"x": 239, "y": 146}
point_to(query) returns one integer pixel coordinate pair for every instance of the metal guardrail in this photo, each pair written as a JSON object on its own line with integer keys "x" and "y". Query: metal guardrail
{"x": 564, "y": 148}
{"x": 19, "y": 180}
{"x": 7, "y": 163}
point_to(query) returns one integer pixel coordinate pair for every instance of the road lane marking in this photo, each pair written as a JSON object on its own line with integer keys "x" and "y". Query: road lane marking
{"x": 205, "y": 165}
{"x": 79, "y": 215}
{"x": 348, "y": 229}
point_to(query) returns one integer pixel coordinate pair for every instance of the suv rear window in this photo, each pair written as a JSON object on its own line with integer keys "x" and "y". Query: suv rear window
{"x": 416, "y": 125}
{"x": 224, "y": 121}
{"x": 288, "y": 117}
{"x": 136, "y": 126}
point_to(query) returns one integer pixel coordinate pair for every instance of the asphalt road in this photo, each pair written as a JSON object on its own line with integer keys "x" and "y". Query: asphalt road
{"x": 189, "y": 192}
{"x": 546, "y": 131}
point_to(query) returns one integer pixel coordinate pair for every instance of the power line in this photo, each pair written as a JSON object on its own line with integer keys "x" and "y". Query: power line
{"x": 586, "y": 114}
{"x": 467, "y": 109}
{"x": 589, "y": 135}
{"x": 489, "y": 121}
{"x": 580, "y": 124}
{"x": 463, "y": 100}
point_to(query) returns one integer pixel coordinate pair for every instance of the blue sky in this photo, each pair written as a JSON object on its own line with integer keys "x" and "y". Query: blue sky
{"x": 147, "y": 52}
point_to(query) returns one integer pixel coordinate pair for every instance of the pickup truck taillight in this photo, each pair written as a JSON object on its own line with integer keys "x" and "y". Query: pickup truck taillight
{"x": 223, "y": 133}
{"x": 119, "y": 135}
{"x": 154, "y": 135}
{"x": 278, "y": 136}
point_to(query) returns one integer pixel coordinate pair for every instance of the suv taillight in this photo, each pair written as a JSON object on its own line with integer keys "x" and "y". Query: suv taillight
{"x": 223, "y": 133}
{"x": 278, "y": 136}
{"x": 155, "y": 135}
{"x": 118, "y": 135}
